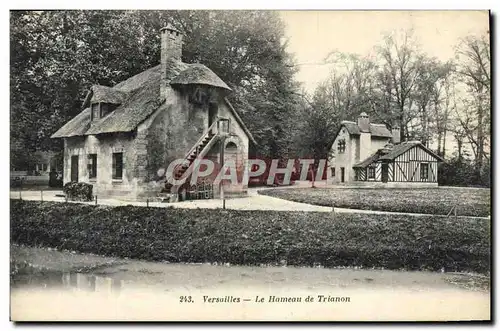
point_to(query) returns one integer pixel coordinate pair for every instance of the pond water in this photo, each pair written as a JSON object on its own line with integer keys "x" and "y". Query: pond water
{"x": 67, "y": 280}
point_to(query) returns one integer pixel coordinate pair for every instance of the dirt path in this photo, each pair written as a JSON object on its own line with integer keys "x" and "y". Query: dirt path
{"x": 138, "y": 290}
{"x": 253, "y": 201}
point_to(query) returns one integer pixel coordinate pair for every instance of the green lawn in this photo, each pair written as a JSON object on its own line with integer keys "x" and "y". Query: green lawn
{"x": 245, "y": 237}
{"x": 438, "y": 201}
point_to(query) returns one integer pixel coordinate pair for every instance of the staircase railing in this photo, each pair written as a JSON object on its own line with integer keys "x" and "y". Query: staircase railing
{"x": 203, "y": 136}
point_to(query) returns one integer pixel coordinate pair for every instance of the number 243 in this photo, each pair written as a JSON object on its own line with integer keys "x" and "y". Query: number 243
{"x": 183, "y": 299}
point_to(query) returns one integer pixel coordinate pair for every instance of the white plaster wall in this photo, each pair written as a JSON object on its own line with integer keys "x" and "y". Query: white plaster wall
{"x": 341, "y": 159}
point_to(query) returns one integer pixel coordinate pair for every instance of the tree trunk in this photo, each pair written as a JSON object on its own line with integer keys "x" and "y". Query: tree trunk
{"x": 439, "y": 142}
{"x": 444, "y": 143}
{"x": 459, "y": 146}
{"x": 480, "y": 137}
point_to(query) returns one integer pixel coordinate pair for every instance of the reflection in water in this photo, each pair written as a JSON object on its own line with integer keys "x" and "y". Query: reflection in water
{"x": 69, "y": 280}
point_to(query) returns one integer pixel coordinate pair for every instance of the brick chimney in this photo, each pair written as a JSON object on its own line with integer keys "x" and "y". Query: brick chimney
{"x": 171, "y": 52}
{"x": 396, "y": 134}
{"x": 364, "y": 122}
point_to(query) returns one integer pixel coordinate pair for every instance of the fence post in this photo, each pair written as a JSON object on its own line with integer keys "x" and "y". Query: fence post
{"x": 147, "y": 202}
{"x": 96, "y": 200}
{"x": 20, "y": 197}
{"x": 41, "y": 195}
{"x": 451, "y": 211}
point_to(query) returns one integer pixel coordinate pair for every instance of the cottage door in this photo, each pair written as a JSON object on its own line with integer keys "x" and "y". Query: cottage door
{"x": 385, "y": 172}
{"x": 342, "y": 174}
{"x": 74, "y": 168}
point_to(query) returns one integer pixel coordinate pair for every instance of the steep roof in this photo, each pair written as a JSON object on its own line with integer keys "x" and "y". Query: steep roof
{"x": 376, "y": 130}
{"x": 77, "y": 126}
{"x": 107, "y": 94}
{"x": 404, "y": 147}
{"x": 139, "y": 97}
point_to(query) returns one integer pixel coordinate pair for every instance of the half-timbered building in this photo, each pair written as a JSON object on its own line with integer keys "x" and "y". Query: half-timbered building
{"x": 369, "y": 153}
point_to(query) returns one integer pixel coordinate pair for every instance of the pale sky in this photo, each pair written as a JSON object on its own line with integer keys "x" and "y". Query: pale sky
{"x": 314, "y": 34}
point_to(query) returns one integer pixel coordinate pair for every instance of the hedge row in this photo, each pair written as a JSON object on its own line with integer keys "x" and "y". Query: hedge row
{"x": 256, "y": 237}
{"x": 436, "y": 201}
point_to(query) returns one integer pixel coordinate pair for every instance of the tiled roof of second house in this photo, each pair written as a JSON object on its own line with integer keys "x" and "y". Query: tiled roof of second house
{"x": 376, "y": 130}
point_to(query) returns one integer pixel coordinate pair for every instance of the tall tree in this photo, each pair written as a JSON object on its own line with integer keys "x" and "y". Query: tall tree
{"x": 474, "y": 65}
{"x": 400, "y": 60}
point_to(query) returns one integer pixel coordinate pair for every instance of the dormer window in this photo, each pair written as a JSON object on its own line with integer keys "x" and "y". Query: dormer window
{"x": 107, "y": 108}
{"x": 101, "y": 109}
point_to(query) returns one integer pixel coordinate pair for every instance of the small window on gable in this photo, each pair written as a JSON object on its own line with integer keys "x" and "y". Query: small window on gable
{"x": 341, "y": 146}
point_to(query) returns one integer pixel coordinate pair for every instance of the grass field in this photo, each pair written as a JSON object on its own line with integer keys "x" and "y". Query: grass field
{"x": 437, "y": 201}
{"x": 244, "y": 237}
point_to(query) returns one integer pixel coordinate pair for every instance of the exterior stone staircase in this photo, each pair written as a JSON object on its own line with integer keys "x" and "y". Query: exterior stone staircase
{"x": 199, "y": 150}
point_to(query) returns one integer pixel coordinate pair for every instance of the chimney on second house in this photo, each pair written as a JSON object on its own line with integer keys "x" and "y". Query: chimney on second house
{"x": 171, "y": 53}
{"x": 396, "y": 134}
{"x": 364, "y": 122}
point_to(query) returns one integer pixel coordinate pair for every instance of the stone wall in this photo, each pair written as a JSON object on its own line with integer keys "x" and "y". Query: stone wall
{"x": 104, "y": 146}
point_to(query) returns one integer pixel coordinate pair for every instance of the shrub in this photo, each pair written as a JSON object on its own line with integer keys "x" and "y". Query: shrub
{"x": 256, "y": 237}
{"x": 463, "y": 172}
{"x": 78, "y": 191}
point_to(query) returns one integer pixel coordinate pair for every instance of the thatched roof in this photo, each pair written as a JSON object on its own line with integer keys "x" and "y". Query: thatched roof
{"x": 200, "y": 75}
{"x": 376, "y": 130}
{"x": 77, "y": 126}
{"x": 140, "y": 97}
{"x": 138, "y": 80}
{"x": 107, "y": 94}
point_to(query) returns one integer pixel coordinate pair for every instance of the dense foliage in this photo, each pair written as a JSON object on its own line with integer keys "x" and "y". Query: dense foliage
{"x": 256, "y": 237}
{"x": 463, "y": 172}
{"x": 78, "y": 191}
{"x": 436, "y": 201}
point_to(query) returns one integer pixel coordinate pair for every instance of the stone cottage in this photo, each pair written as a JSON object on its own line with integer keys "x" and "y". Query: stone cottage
{"x": 128, "y": 133}
{"x": 365, "y": 153}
